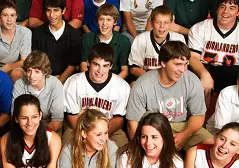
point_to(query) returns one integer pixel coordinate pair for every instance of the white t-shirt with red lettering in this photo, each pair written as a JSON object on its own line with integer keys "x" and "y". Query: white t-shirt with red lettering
{"x": 111, "y": 100}
{"x": 216, "y": 46}
{"x": 144, "y": 50}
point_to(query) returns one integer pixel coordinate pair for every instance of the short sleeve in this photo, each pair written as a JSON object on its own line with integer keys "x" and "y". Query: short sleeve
{"x": 122, "y": 101}
{"x": 71, "y": 104}
{"x": 181, "y": 38}
{"x": 64, "y": 159}
{"x": 223, "y": 110}
{"x": 196, "y": 38}
{"x": 27, "y": 42}
{"x": 125, "y": 5}
{"x": 36, "y": 10}
{"x": 57, "y": 105}
{"x": 137, "y": 103}
{"x": 196, "y": 101}
{"x": 137, "y": 54}
{"x": 77, "y": 9}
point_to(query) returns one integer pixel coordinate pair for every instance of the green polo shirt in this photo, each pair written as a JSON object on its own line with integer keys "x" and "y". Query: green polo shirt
{"x": 188, "y": 13}
{"x": 119, "y": 43}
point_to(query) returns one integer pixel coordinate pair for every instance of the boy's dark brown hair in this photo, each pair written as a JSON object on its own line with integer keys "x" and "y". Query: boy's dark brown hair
{"x": 8, "y": 4}
{"x": 173, "y": 49}
{"x": 236, "y": 2}
{"x": 54, "y": 3}
{"x": 101, "y": 50}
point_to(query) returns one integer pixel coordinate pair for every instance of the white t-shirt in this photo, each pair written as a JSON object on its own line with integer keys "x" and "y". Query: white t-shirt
{"x": 227, "y": 109}
{"x": 124, "y": 158}
{"x": 215, "y": 47}
{"x": 57, "y": 34}
{"x": 143, "y": 53}
{"x": 141, "y": 13}
{"x": 203, "y": 159}
{"x": 111, "y": 100}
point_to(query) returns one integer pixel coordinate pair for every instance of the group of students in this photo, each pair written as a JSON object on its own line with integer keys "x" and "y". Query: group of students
{"x": 45, "y": 91}
{"x": 30, "y": 144}
{"x": 153, "y": 143}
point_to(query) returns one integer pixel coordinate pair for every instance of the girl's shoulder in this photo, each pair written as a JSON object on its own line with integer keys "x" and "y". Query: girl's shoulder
{"x": 4, "y": 139}
{"x": 178, "y": 162}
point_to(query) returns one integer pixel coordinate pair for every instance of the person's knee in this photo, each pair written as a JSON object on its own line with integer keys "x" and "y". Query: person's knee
{"x": 119, "y": 137}
{"x": 67, "y": 135}
{"x": 208, "y": 141}
{"x": 17, "y": 74}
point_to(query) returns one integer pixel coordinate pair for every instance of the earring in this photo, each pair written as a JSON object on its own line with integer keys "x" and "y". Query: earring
{"x": 83, "y": 139}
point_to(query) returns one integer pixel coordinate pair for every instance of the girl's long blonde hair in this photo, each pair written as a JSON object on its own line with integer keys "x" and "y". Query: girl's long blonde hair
{"x": 86, "y": 122}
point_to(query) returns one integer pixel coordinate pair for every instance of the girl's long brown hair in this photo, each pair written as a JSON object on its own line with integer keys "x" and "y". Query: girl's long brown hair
{"x": 135, "y": 151}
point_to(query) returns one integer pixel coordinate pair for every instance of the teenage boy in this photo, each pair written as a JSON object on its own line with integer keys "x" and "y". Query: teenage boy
{"x": 15, "y": 41}
{"x": 73, "y": 14}
{"x": 59, "y": 40}
{"x": 146, "y": 46}
{"x": 90, "y": 9}
{"x": 98, "y": 88}
{"x": 173, "y": 91}
{"x": 107, "y": 16}
{"x": 214, "y": 48}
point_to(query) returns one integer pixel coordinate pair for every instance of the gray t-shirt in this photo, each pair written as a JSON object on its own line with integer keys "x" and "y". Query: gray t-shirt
{"x": 64, "y": 160}
{"x": 20, "y": 46}
{"x": 175, "y": 102}
{"x": 51, "y": 97}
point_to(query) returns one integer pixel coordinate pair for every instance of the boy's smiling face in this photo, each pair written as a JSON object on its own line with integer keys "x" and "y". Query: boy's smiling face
{"x": 106, "y": 24}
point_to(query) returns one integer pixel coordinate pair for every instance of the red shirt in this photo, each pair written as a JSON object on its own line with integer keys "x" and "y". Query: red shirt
{"x": 74, "y": 10}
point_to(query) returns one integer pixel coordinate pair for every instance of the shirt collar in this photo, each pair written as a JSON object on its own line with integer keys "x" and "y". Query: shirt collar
{"x": 113, "y": 40}
{"x": 147, "y": 164}
{"x": 16, "y": 31}
{"x": 47, "y": 30}
{"x": 31, "y": 90}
